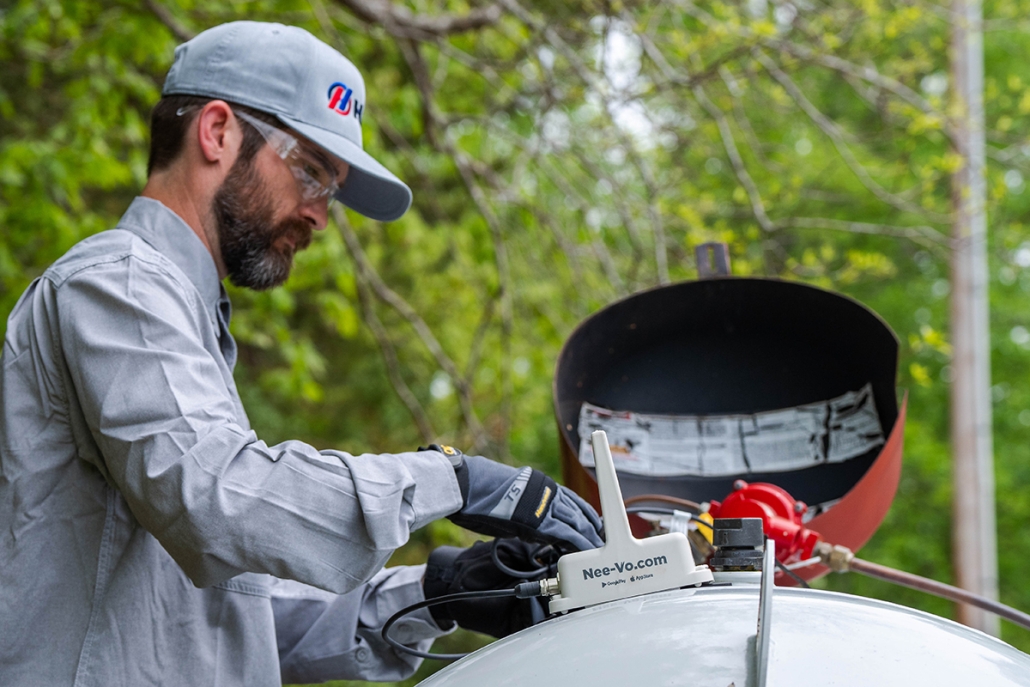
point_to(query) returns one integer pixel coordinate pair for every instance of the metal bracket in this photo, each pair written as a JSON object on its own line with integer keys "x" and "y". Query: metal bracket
{"x": 765, "y": 595}
{"x": 713, "y": 260}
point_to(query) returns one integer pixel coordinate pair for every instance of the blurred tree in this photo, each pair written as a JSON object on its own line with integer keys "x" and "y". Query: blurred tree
{"x": 563, "y": 155}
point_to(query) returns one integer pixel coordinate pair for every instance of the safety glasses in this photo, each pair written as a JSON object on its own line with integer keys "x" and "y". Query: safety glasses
{"x": 315, "y": 177}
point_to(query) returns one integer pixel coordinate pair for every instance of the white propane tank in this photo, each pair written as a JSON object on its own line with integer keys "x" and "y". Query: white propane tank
{"x": 708, "y": 636}
{"x": 705, "y": 637}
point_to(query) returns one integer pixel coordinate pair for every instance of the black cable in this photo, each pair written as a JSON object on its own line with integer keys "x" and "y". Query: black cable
{"x": 797, "y": 578}
{"x": 522, "y": 591}
{"x": 518, "y": 574}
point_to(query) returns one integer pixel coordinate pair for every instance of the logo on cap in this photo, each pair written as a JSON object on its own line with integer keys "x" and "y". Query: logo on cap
{"x": 342, "y": 101}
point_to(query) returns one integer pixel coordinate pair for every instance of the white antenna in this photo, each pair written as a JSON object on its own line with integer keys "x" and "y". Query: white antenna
{"x": 625, "y": 566}
{"x": 616, "y": 522}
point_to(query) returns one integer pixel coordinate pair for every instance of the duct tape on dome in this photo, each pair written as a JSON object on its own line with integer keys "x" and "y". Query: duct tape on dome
{"x": 830, "y": 431}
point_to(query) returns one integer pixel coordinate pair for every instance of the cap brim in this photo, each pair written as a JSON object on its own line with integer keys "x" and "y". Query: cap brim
{"x": 370, "y": 188}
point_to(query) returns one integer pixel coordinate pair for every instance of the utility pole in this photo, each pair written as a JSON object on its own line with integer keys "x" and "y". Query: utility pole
{"x": 974, "y": 539}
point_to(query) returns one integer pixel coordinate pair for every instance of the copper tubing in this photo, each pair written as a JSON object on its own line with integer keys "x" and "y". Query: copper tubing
{"x": 939, "y": 589}
{"x": 662, "y": 498}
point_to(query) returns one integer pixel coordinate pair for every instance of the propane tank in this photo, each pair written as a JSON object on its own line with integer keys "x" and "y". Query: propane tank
{"x": 706, "y": 637}
{"x": 640, "y": 612}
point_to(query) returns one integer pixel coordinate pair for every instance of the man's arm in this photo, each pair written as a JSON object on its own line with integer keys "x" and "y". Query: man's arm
{"x": 324, "y": 636}
{"x": 219, "y": 500}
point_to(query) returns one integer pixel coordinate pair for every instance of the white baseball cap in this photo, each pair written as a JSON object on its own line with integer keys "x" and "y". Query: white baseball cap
{"x": 307, "y": 85}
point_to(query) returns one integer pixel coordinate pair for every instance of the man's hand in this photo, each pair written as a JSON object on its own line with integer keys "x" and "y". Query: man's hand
{"x": 450, "y": 570}
{"x": 503, "y": 501}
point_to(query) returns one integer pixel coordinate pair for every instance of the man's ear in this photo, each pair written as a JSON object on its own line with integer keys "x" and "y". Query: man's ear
{"x": 218, "y": 132}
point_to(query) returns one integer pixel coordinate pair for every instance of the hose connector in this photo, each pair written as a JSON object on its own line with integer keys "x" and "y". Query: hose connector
{"x": 544, "y": 587}
{"x": 835, "y": 557}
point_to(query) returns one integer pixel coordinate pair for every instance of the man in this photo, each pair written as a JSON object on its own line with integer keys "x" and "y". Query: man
{"x": 147, "y": 536}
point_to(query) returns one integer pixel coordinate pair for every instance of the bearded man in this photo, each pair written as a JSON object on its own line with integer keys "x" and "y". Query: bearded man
{"x": 147, "y": 535}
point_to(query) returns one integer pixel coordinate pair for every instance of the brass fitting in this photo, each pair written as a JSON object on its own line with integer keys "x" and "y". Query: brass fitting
{"x": 836, "y": 558}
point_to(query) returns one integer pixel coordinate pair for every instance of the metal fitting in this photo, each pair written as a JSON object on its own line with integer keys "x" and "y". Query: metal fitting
{"x": 549, "y": 586}
{"x": 835, "y": 557}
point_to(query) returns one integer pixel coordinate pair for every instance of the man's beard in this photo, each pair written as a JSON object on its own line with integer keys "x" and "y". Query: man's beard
{"x": 244, "y": 212}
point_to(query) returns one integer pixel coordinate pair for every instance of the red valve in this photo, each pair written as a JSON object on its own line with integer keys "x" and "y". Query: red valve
{"x": 780, "y": 514}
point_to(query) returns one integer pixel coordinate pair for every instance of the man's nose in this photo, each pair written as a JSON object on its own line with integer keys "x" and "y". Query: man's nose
{"x": 316, "y": 213}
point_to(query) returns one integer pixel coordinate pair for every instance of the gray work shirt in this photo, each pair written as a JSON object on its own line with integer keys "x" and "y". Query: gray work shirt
{"x": 147, "y": 536}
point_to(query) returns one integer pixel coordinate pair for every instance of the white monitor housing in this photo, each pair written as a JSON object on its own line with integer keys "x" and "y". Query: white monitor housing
{"x": 625, "y": 566}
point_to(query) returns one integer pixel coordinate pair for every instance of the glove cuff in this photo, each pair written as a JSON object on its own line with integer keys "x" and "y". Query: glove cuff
{"x": 454, "y": 455}
{"x": 461, "y": 470}
{"x": 438, "y": 579}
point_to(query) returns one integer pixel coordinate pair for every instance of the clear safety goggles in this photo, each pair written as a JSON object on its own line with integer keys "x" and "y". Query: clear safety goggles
{"x": 315, "y": 177}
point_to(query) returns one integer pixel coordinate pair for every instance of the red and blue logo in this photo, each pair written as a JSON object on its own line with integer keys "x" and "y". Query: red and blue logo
{"x": 342, "y": 101}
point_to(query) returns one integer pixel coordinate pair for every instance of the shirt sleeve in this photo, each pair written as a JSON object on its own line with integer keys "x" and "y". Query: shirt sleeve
{"x": 324, "y": 636}
{"x": 219, "y": 500}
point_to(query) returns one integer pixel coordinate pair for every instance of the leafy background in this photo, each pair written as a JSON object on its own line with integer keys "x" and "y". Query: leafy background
{"x": 563, "y": 155}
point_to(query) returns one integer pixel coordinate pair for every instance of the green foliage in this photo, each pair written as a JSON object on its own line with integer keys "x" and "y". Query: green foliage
{"x": 560, "y": 158}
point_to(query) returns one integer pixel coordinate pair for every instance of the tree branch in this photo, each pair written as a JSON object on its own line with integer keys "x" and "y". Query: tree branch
{"x": 925, "y": 235}
{"x": 393, "y": 367}
{"x": 403, "y": 23}
{"x": 866, "y": 73}
{"x": 830, "y": 128}
{"x": 476, "y": 349}
{"x": 725, "y": 133}
{"x": 486, "y": 71}
{"x": 560, "y": 179}
{"x": 597, "y": 245}
{"x": 729, "y": 143}
{"x": 391, "y": 298}
{"x": 413, "y": 56}
{"x": 504, "y": 283}
{"x": 169, "y": 20}
{"x": 619, "y": 199}
{"x": 744, "y": 124}
{"x": 602, "y": 87}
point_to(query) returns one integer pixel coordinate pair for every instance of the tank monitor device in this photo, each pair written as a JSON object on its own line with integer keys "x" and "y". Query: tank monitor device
{"x": 625, "y": 566}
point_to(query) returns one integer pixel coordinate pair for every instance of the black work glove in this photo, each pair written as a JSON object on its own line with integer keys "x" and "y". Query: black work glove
{"x": 451, "y": 569}
{"x": 503, "y": 501}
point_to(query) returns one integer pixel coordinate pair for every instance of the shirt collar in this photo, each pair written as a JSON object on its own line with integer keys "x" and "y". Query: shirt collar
{"x": 169, "y": 234}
